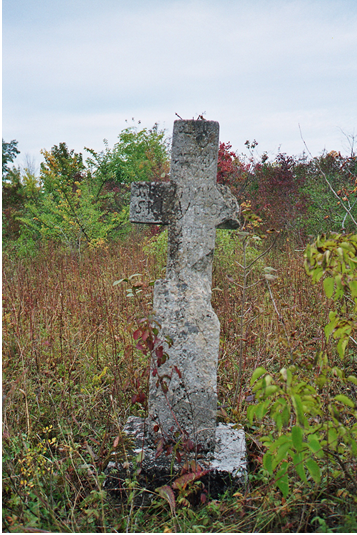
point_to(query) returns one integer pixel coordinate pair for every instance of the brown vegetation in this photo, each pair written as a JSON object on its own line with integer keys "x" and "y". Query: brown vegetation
{"x": 71, "y": 371}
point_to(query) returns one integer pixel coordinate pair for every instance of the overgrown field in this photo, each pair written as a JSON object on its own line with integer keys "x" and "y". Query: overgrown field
{"x": 72, "y": 375}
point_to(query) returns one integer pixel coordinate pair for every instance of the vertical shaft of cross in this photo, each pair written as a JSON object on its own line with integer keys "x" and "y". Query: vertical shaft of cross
{"x": 193, "y": 172}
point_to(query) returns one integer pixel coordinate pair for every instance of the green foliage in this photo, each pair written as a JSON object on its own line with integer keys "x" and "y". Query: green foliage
{"x": 75, "y": 202}
{"x": 309, "y": 436}
{"x": 18, "y": 189}
{"x": 139, "y": 155}
{"x": 335, "y": 258}
{"x": 9, "y": 153}
{"x": 316, "y": 427}
{"x": 330, "y": 184}
{"x": 69, "y": 209}
{"x": 156, "y": 247}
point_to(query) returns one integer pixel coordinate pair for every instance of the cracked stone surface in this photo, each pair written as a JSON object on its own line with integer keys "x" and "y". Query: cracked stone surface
{"x": 193, "y": 206}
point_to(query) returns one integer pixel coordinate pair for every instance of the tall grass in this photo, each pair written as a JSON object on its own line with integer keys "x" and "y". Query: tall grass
{"x": 70, "y": 371}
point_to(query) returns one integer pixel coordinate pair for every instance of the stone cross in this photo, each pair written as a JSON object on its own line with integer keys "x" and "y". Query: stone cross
{"x": 193, "y": 205}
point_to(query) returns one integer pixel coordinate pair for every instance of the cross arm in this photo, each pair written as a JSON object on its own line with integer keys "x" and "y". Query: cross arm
{"x": 229, "y": 212}
{"x": 151, "y": 202}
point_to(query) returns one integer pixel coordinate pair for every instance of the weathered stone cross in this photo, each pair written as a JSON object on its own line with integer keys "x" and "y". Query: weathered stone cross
{"x": 193, "y": 206}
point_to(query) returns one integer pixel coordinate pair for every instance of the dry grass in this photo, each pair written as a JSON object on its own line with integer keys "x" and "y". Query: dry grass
{"x": 70, "y": 372}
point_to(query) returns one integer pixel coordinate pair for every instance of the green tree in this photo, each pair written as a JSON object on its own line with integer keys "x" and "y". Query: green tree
{"x": 81, "y": 202}
{"x": 14, "y": 191}
{"x": 330, "y": 186}
{"x": 69, "y": 209}
{"x": 9, "y": 153}
{"x": 138, "y": 155}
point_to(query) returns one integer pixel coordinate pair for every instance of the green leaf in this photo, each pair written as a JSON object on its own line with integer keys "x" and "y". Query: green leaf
{"x": 259, "y": 413}
{"x": 296, "y": 435}
{"x": 282, "y": 481}
{"x": 353, "y": 288}
{"x": 353, "y": 445}
{"x": 258, "y": 386}
{"x": 282, "y": 452}
{"x": 299, "y": 410}
{"x": 120, "y": 281}
{"x": 285, "y": 415}
{"x": 258, "y": 372}
{"x": 332, "y": 437}
{"x": 268, "y": 463}
{"x": 267, "y": 380}
{"x": 330, "y": 326}
{"x": 352, "y": 379}
{"x": 341, "y": 347}
{"x": 298, "y": 464}
{"x": 284, "y": 374}
{"x": 271, "y": 389}
{"x": 329, "y": 284}
{"x": 250, "y": 413}
{"x": 343, "y": 329}
{"x": 338, "y": 372}
{"x": 345, "y": 400}
{"x": 314, "y": 470}
{"x": 278, "y": 442}
{"x": 314, "y": 445}
{"x": 321, "y": 380}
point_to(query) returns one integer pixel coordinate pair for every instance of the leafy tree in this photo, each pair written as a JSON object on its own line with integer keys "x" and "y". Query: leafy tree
{"x": 140, "y": 155}
{"x": 275, "y": 192}
{"x": 18, "y": 190}
{"x": 231, "y": 170}
{"x": 17, "y": 187}
{"x": 331, "y": 187}
{"x": 9, "y": 153}
{"x": 69, "y": 209}
{"x": 76, "y": 201}
{"x": 61, "y": 169}
{"x": 12, "y": 204}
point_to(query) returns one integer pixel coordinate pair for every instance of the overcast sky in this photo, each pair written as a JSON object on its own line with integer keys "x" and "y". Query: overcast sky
{"x": 75, "y": 70}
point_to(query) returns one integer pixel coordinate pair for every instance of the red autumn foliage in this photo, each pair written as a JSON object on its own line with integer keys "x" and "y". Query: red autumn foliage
{"x": 275, "y": 192}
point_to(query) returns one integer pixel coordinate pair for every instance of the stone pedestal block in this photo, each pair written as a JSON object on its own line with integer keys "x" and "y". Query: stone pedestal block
{"x": 226, "y": 466}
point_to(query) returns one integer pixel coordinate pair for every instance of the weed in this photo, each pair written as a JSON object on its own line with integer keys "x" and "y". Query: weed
{"x": 71, "y": 373}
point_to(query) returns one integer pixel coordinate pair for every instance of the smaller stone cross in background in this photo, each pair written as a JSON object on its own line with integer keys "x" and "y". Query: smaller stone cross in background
{"x": 193, "y": 205}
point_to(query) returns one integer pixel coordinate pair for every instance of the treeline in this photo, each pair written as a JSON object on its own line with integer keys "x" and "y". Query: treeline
{"x": 75, "y": 200}
{"x": 81, "y": 201}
